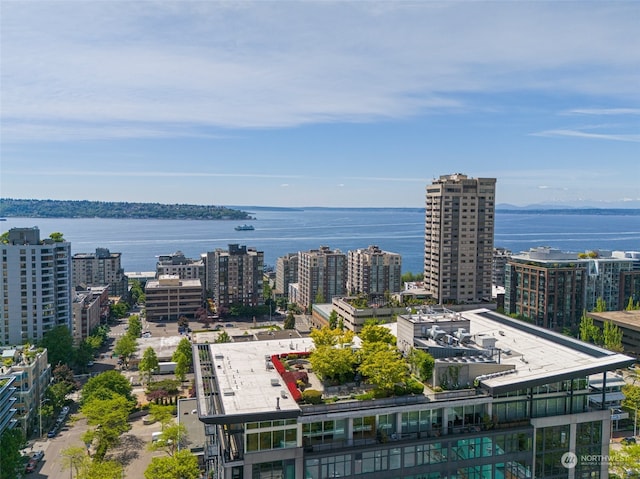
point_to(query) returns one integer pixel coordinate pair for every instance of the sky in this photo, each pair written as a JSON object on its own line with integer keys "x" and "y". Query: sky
{"x": 319, "y": 103}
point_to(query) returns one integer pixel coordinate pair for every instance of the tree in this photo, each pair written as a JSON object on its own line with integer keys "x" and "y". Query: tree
{"x": 625, "y": 460}
{"x": 11, "y": 441}
{"x": 374, "y": 333}
{"x": 290, "y": 321}
{"x": 162, "y": 414}
{"x": 76, "y": 459}
{"x": 325, "y": 336}
{"x": 612, "y": 337}
{"x": 110, "y": 418}
{"x": 135, "y": 326}
{"x": 149, "y": 363}
{"x": 172, "y": 438}
{"x": 588, "y": 331}
{"x": 333, "y": 319}
{"x": 422, "y": 363}
{"x": 118, "y": 310}
{"x": 383, "y": 366}
{"x": 631, "y": 306}
{"x": 102, "y": 470}
{"x": 223, "y": 337}
{"x": 137, "y": 293}
{"x": 601, "y": 305}
{"x": 57, "y": 237}
{"x": 58, "y": 342}
{"x": 333, "y": 363}
{"x": 182, "y": 366}
{"x": 184, "y": 347}
{"x": 125, "y": 347}
{"x": 183, "y": 464}
{"x": 631, "y": 398}
{"x": 111, "y": 381}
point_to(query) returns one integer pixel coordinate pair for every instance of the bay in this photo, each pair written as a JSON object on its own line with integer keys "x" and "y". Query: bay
{"x": 281, "y": 231}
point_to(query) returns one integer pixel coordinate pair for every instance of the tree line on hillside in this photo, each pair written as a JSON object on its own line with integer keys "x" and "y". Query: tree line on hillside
{"x": 31, "y": 208}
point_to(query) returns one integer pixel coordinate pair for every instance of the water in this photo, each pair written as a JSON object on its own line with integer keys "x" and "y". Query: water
{"x": 281, "y": 231}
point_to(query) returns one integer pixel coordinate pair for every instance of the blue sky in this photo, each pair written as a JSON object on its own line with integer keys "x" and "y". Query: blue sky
{"x": 319, "y": 103}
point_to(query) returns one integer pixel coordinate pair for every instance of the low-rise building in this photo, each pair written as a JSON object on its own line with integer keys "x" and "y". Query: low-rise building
{"x": 170, "y": 297}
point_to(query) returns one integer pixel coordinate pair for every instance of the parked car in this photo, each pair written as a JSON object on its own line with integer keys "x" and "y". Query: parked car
{"x": 31, "y": 466}
{"x": 628, "y": 440}
{"x": 37, "y": 456}
{"x": 52, "y": 433}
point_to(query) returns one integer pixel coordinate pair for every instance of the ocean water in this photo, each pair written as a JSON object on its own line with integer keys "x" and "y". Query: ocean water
{"x": 281, "y": 231}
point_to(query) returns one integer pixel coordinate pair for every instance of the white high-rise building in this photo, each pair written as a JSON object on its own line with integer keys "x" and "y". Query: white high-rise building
{"x": 459, "y": 227}
{"x": 35, "y": 286}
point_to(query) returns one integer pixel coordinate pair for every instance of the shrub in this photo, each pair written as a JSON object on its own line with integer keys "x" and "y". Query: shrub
{"x": 312, "y": 396}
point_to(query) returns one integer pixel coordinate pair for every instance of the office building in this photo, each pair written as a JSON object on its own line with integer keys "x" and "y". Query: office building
{"x": 459, "y": 227}
{"x": 322, "y": 274}
{"x": 169, "y": 298}
{"x": 373, "y": 272}
{"x": 496, "y": 406}
{"x": 552, "y": 288}
{"x": 35, "y": 286}
{"x": 286, "y": 273}
{"x": 101, "y": 268}
{"x": 627, "y": 321}
{"x": 236, "y": 276}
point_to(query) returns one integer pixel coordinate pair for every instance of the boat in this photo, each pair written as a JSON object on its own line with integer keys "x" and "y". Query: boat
{"x": 245, "y": 228}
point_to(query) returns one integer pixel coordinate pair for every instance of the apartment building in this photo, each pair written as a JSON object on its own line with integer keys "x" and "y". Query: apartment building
{"x": 286, "y": 273}
{"x": 322, "y": 274}
{"x": 31, "y": 371}
{"x": 178, "y": 265}
{"x": 35, "y": 286}
{"x": 236, "y": 276}
{"x": 170, "y": 297}
{"x": 553, "y": 288}
{"x": 496, "y": 407}
{"x": 459, "y": 228}
{"x": 7, "y": 403}
{"x": 499, "y": 265}
{"x": 373, "y": 272}
{"x": 101, "y": 268}
{"x": 87, "y": 314}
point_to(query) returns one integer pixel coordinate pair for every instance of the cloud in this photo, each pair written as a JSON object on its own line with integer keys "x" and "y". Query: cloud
{"x": 74, "y": 70}
{"x": 604, "y": 111}
{"x": 582, "y": 134}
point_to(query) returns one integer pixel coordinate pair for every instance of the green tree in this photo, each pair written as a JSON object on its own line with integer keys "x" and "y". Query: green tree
{"x": 333, "y": 319}
{"x": 149, "y": 363}
{"x": 422, "y": 363}
{"x": 137, "y": 293}
{"x": 162, "y": 414}
{"x": 57, "y": 237}
{"x": 631, "y": 306}
{"x": 125, "y": 347}
{"x": 374, "y": 333}
{"x": 82, "y": 355}
{"x": 118, "y": 310}
{"x": 184, "y": 348}
{"x": 58, "y": 342}
{"x": 290, "y": 321}
{"x": 110, "y": 419}
{"x": 319, "y": 299}
{"x": 325, "y": 336}
{"x": 223, "y": 337}
{"x": 588, "y": 331}
{"x": 111, "y": 381}
{"x": 11, "y": 441}
{"x": 612, "y": 337}
{"x": 383, "y": 367}
{"x": 172, "y": 438}
{"x": 76, "y": 459}
{"x": 601, "y": 305}
{"x": 183, "y": 464}
{"x": 631, "y": 399}
{"x": 182, "y": 366}
{"x": 135, "y": 326}
{"x": 102, "y": 470}
{"x": 622, "y": 462}
{"x": 330, "y": 362}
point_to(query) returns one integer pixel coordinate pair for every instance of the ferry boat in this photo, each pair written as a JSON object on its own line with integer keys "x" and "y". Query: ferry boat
{"x": 245, "y": 228}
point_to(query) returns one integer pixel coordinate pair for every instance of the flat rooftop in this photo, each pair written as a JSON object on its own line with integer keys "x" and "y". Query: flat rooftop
{"x": 626, "y": 319}
{"x": 539, "y": 356}
{"x": 247, "y": 385}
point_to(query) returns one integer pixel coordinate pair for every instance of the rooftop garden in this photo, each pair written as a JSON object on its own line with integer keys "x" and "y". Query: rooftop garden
{"x": 375, "y": 369}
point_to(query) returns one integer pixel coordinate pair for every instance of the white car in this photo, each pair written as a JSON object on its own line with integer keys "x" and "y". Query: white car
{"x": 37, "y": 456}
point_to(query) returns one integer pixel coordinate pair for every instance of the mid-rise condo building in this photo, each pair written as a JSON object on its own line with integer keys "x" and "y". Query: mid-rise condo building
{"x": 322, "y": 274}
{"x": 373, "y": 272}
{"x": 101, "y": 268}
{"x": 235, "y": 276}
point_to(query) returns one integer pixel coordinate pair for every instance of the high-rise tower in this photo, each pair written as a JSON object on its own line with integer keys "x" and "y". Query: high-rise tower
{"x": 35, "y": 285}
{"x": 458, "y": 247}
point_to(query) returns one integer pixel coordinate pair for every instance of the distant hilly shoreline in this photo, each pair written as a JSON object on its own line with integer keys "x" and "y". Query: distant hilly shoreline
{"x": 32, "y": 208}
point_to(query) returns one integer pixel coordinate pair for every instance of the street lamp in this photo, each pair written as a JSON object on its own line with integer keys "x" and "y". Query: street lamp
{"x": 42, "y": 401}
